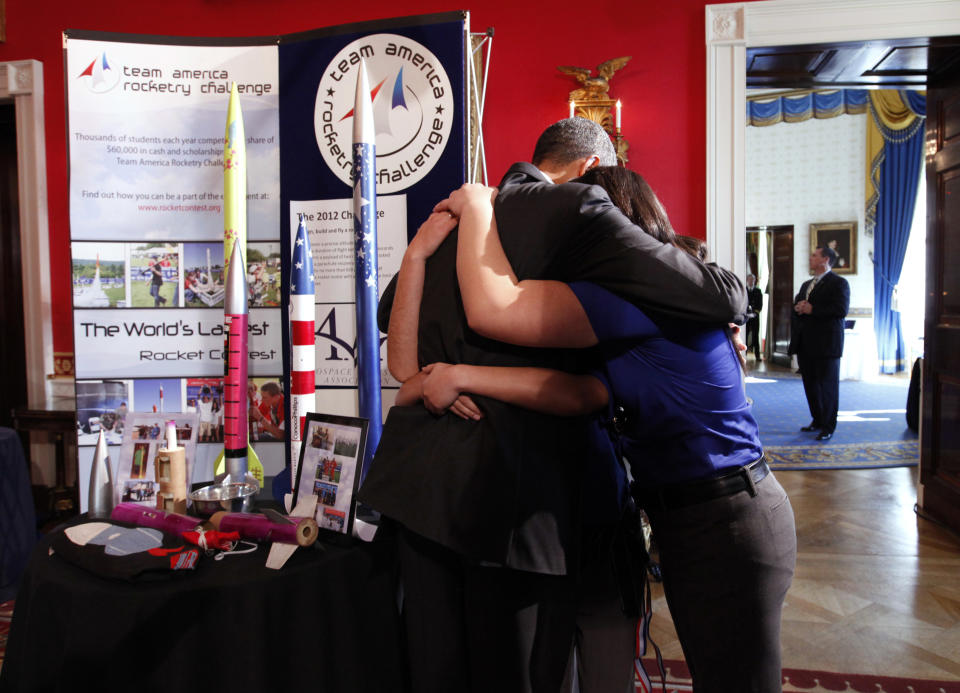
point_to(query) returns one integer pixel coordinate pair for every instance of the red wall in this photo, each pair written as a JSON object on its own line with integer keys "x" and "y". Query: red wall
{"x": 663, "y": 88}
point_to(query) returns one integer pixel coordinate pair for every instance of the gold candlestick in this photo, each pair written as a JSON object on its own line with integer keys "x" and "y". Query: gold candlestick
{"x": 592, "y": 100}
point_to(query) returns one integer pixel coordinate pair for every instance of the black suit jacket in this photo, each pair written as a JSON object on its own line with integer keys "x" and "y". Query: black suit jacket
{"x": 754, "y": 301}
{"x": 820, "y": 334}
{"x": 505, "y": 489}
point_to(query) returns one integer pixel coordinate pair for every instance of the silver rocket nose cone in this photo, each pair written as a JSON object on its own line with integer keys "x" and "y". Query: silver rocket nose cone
{"x": 235, "y": 300}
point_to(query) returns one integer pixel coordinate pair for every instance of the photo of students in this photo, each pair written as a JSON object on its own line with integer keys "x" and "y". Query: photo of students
{"x": 203, "y": 275}
{"x": 207, "y": 397}
{"x": 154, "y": 275}
{"x": 263, "y": 274}
{"x": 265, "y": 399}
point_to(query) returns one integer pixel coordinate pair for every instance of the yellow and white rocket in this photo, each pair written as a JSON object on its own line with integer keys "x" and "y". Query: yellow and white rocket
{"x": 235, "y": 234}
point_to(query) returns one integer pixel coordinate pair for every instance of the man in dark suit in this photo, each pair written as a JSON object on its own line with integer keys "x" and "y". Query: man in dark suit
{"x": 488, "y": 510}
{"x": 754, "y": 306}
{"x": 817, "y": 339}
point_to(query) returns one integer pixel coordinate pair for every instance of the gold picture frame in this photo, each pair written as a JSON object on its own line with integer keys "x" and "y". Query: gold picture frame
{"x": 841, "y": 237}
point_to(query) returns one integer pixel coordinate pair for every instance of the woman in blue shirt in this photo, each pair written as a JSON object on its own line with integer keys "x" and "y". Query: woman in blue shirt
{"x": 723, "y": 524}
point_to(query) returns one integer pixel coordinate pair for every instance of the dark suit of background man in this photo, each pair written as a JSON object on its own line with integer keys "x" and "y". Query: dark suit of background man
{"x": 754, "y": 306}
{"x": 817, "y": 339}
{"x": 488, "y": 509}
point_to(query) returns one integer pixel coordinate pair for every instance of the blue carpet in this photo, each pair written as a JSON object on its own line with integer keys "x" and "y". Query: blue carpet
{"x": 871, "y": 427}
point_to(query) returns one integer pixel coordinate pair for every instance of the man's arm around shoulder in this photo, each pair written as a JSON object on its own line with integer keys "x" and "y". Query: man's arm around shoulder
{"x": 618, "y": 255}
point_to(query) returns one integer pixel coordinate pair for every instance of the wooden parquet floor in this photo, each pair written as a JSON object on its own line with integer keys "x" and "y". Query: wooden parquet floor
{"x": 876, "y": 589}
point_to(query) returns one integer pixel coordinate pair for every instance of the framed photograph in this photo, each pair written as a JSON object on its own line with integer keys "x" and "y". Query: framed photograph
{"x": 143, "y": 435}
{"x": 330, "y": 458}
{"x": 841, "y": 237}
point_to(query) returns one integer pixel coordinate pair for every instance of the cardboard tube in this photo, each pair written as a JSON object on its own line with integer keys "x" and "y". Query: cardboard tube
{"x": 257, "y": 527}
{"x": 139, "y": 515}
{"x": 170, "y": 467}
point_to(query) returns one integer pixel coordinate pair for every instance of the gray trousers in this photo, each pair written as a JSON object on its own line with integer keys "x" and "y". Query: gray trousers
{"x": 604, "y": 638}
{"x": 727, "y": 565}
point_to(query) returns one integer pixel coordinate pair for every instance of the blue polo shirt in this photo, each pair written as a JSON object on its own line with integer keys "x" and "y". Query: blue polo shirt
{"x": 681, "y": 386}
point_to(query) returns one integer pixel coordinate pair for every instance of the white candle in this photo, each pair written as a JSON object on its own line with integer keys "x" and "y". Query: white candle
{"x": 618, "y": 114}
{"x": 572, "y": 106}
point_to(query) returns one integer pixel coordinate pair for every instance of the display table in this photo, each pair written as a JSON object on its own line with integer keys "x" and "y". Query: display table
{"x": 18, "y": 522}
{"x": 327, "y": 621}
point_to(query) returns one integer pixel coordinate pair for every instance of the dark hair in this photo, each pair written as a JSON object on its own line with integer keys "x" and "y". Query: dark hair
{"x": 271, "y": 388}
{"x": 631, "y": 193}
{"x": 571, "y": 139}
{"x": 830, "y": 254}
{"x": 694, "y": 246}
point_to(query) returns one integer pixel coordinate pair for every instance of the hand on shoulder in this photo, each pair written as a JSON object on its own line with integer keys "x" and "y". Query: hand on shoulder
{"x": 467, "y": 194}
{"x": 431, "y": 234}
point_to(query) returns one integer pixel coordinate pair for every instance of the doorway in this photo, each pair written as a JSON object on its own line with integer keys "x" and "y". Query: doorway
{"x": 13, "y": 386}
{"x": 770, "y": 260}
{"x": 731, "y": 29}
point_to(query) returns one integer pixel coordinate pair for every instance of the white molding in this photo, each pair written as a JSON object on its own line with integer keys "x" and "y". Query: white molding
{"x": 782, "y": 22}
{"x": 786, "y": 22}
{"x": 22, "y": 80}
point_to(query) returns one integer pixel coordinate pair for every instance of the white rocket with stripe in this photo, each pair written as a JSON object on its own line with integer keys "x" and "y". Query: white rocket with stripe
{"x": 303, "y": 361}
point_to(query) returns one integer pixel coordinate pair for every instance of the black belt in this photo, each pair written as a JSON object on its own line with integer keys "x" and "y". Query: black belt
{"x": 702, "y": 490}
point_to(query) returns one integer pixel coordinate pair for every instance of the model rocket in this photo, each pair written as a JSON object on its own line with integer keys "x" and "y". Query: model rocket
{"x": 170, "y": 468}
{"x": 93, "y": 296}
{"x": 303, "y": 362}
{"x": 366, "y": 280}
{"x": 238, "y": 458}
{"x": 234, "y": 182}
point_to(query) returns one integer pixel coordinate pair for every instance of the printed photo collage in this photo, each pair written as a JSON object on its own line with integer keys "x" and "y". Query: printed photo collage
{"x": 168, "y": 275}
{"x": 107, "y": 405}
{"x": 138, "y": 480}
{"x": 329, "y": 464}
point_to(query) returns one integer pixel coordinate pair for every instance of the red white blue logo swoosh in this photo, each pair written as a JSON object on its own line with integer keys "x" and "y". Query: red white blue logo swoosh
{"x": 99, "y": 76}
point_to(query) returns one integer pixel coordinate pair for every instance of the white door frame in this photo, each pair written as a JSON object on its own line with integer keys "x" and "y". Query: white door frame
{"x": 22, "y": 81}
{"x": 730, "y": 29}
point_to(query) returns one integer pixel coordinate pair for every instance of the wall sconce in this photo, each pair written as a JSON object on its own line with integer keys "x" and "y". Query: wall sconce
{"x": 592, "y": 100}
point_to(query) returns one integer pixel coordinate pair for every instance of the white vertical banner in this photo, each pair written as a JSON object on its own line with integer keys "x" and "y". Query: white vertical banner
{"x": 146, "y": 126}
{"x": 330, "y": 227}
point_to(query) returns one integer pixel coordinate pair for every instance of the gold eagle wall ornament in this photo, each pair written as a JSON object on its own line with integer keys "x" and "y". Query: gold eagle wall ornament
{"x": 594, "y": 87}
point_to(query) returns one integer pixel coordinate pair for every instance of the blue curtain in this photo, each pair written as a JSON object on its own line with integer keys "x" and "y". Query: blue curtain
{"x": 799, "y": 107}
{"x": 897, "y": 195}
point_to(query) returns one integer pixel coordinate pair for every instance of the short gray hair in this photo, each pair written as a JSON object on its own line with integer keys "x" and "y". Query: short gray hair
{"x": 574, "y": 138}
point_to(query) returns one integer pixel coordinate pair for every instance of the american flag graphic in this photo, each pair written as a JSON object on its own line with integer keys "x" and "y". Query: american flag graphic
{"x": 365, "y": 230}
{"x": 302, "y": 364}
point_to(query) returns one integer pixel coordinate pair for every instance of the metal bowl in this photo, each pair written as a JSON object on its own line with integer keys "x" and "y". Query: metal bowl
{"x": 234, "y": 498}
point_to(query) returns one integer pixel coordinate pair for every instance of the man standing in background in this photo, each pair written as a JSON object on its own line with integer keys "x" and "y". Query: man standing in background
{"x": 817, "y": 339}
{"x": 754, "y": 306}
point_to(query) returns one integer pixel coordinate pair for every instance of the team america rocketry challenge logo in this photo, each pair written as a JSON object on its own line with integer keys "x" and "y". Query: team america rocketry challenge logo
{"x": 412, "y": 109}
{"x": 99, "y": 76}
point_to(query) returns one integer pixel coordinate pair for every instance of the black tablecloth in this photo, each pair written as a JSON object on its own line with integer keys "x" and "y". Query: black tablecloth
{"x": 18, "y": 523}
{"x": 327, "y": 621}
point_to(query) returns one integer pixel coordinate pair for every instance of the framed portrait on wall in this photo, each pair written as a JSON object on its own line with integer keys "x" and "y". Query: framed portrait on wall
{"x": 330, "y": 459}
{"x": 841, "y": 237}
